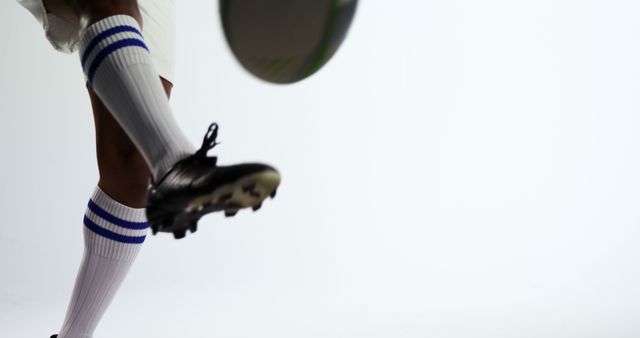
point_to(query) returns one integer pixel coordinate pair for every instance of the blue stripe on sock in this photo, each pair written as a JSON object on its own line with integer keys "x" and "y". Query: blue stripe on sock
{"x": 112, "y": 235}
{"x": 115, "y": 220}
{"x": 110, "y": 49}
{"x": 100, "y": 37}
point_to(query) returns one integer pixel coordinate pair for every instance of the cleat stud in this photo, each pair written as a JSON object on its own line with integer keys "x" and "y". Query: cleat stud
{"x": 154, "y": 230}
{"x": 178, "y": 234}
{"x": 230, "y": 212}
{"x": 273, "y": 193}
{"x": 257, "y": 207}
{"x": 193, "y": 227}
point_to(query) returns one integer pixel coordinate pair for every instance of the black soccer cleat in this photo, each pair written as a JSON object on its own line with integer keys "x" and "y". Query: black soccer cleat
{"x": 197, "y": 186}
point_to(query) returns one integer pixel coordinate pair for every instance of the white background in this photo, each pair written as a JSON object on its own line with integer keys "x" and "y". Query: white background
{"x": 460, "y": 169}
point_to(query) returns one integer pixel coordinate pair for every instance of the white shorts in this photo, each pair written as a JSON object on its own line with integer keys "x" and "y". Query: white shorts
{"x": 64, "y": 29}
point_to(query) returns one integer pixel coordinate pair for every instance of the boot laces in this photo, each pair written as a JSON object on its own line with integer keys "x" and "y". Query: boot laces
{"x": 209, "y": 141}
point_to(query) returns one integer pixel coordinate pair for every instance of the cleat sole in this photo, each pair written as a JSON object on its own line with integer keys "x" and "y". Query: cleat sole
{"x": 248, "y": 192}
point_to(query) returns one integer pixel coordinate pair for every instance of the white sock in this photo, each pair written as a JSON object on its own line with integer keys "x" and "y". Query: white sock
{"x": 113, "y": 235}
{"x": 119, "y": 69}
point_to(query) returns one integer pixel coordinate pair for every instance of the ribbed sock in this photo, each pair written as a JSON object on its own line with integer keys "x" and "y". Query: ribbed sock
{"x": 113, "y": 235}
{"x": 118, "y": 67}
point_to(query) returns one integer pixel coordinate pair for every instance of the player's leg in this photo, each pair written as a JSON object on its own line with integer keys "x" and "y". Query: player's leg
{"x": 118, "y": 67}
{"x": 124, "y": 174}
{"x": 117, "y": 63}
{"x": 115, "y": 223}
